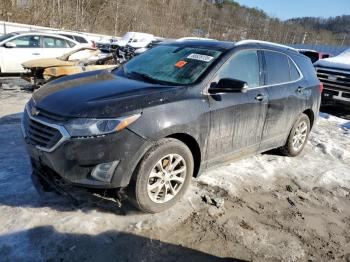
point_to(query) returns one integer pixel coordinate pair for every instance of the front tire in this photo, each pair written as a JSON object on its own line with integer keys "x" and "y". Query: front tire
{"x": 162, "y": 177}
{"x": 298, "y": 136}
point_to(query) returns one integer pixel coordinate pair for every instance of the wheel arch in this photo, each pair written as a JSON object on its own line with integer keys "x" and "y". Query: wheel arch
{"x": 194, "y": 147}
{"x": 311, "y": 116}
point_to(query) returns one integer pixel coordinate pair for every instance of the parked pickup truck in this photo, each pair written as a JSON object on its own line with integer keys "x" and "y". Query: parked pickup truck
{"x": 334, "y": 73}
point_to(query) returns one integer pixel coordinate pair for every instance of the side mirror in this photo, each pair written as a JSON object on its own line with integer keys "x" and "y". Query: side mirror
{"x": 10, "y": 45}
{"x": 228, "y": 85}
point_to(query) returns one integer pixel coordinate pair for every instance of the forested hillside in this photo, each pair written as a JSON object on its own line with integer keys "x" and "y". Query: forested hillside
{"x": 339, "y": 25}
{"x": 225, "y": 20}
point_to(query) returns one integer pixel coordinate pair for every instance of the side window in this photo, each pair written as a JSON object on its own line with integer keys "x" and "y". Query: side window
{"x": 242, "y": 66}
{"x": 69, "y": 36}
{"x": 28, "y": 41}
{"x": 53, "y": 42}
{"x": 277, "y": 68}
{"x": 80, "y": 39}
{"x": 294, "y": 73}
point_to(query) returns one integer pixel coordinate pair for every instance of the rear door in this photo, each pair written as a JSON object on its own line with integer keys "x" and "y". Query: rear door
{"x": 55, "y": 46}
{"x": 237, "y": 119}
{"x": 27, "y": 48}
{"x": 286, "y": 92}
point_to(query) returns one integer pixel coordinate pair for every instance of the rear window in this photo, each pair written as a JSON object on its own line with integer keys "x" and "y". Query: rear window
{"x": 277, "y": 67}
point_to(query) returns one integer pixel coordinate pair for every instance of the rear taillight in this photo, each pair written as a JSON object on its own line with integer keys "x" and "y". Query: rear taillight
{"x": 93, "y": 44}
{"x": 321, "y": 87}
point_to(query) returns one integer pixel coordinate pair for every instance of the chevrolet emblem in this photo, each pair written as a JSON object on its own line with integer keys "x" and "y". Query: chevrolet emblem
{"x": 331, "y": 77}
{"x": 34, "y": 111}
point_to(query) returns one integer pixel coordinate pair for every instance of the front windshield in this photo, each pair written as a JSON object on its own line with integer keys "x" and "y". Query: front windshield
{"x": 4, "y": 37}
{"x": 171, "y": 64}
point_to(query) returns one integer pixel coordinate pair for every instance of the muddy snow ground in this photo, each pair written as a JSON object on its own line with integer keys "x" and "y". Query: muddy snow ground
{"x": 263, "y": 208}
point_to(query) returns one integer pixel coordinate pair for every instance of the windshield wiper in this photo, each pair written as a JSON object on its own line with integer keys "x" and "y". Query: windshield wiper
{"x": 143, "y": 76}
{"x": 148, "y": 78}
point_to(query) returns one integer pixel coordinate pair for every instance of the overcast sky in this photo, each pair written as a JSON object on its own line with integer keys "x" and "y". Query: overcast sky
{"x": 285, "y": 9}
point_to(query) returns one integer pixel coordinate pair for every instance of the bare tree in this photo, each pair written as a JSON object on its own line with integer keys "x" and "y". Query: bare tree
{"x": 167, "y": 18}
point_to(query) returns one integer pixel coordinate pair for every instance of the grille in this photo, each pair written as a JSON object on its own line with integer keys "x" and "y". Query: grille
{"x": 39, "y": 134}
{"x": 333, "y": 79}
{"x": 334, "y": 93}
{"x": 50, "y": 116}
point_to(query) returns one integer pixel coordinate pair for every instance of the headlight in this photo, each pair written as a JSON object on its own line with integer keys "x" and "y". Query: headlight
{"x": 94, "y": 127}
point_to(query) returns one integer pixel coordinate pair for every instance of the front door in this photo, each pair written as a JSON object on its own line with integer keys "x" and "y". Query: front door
{"x": 27, "y": 48}
{"x": 237, "y": 119}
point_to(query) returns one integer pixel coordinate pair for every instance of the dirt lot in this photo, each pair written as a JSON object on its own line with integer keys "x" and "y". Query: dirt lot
{"x": 264, "y": 208}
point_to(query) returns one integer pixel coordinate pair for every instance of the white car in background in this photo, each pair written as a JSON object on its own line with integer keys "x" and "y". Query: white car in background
{"x": 133, "y": 39}
{"x": 19, "y": 47}
{"x": 80, "y": 38}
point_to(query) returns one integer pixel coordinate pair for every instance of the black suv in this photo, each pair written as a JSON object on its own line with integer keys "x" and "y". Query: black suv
{"x": 168, "y": 114}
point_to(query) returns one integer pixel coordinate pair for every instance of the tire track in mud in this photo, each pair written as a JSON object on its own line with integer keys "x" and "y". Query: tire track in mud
{"x": 256, "y": 220}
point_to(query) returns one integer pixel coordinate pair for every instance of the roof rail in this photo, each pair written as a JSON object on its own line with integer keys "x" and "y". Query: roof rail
{"x": 249, "y": 41}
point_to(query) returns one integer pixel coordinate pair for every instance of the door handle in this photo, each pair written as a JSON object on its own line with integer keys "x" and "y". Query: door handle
{"x": 260, "y": 97}
{"x": 35, "y": 53}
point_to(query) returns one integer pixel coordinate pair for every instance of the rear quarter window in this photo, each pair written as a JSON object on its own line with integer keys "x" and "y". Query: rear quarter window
{"x": 80, "y": 39}
{"x": 306, "y": 67}
{"x": 294, "y": 73}
{"x": 277, "y": 68}
{"x": 71, "y": 44}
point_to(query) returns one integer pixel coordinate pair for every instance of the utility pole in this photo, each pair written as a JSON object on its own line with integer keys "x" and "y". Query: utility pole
{"x": 342, "y": 43}
{"x": 116, "y": 19}
{"x": 305, "y": 35}
{"x": 209, "y": 28}
{"x": 293, "y": 39}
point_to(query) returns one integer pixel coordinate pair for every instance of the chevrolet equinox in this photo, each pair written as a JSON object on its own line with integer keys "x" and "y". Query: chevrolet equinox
{"x": 152, "y": 124}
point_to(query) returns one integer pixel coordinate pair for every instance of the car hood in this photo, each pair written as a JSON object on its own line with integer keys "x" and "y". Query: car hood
{"x": 121, "y": 42}
{"x": 341, "y": 61}
{"x": 140, "y": 44}
{"x": 99, "y": 94}
{"x": 47, "y": 62}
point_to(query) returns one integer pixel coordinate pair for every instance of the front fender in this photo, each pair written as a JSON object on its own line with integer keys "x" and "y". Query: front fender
{"x": 189, "y": 116}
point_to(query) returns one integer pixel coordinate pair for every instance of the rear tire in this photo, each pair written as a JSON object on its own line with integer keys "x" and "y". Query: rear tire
{"x": 298, "y": 136}
{"x": 162, "y": 176}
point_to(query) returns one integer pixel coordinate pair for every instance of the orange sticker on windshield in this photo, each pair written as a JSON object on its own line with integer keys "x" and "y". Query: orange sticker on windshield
{"x": 181, "y": 64}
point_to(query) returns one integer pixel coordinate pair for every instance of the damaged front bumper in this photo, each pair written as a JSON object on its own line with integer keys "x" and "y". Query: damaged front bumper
{"x": 49, "y": 182}
{"x": 105, "y": 161}
{"x": 75, "y": 159}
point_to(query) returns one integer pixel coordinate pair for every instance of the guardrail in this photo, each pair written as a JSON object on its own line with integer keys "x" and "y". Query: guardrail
{"x": 8, "y": 27}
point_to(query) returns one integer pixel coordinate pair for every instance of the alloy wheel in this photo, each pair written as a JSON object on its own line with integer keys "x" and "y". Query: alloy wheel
{"x": 166, "y": 178}
{"x": 299, "y": 136}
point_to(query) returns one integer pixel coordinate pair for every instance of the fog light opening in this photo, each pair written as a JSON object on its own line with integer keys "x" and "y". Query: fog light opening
{"x": 104, "y": 172}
